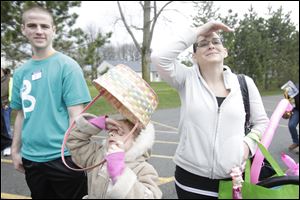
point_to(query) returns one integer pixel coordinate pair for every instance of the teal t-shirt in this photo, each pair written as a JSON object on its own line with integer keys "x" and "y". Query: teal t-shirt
{"x": 44, "y": 89}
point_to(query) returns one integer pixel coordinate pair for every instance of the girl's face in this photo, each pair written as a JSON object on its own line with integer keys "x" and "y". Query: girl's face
{"x": 122, "y": 135}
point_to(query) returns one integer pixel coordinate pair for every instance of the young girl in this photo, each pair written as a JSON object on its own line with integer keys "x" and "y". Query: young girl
{"x": 125, "y": 174}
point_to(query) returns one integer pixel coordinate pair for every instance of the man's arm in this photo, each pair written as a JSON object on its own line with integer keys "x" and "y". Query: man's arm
{"x": 16, "y": 143}
{"x": 74, "y": 111}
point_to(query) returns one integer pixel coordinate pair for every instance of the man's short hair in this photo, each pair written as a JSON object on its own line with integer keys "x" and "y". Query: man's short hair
{"x": 37, "y": 9}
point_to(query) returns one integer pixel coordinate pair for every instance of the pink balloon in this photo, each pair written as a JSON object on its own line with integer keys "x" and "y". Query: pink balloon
{"x": 283, "y": 105}
{"x": 293, "y": 167}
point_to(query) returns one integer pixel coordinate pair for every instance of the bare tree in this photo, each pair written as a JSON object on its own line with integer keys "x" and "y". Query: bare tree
{"x": 94, "y": 41}
{"x": 148, "y": 29}
{"x": 108, "y": 52}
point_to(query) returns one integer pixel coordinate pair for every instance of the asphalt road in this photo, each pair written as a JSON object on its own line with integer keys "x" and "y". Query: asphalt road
{"x": 13, "y": 183}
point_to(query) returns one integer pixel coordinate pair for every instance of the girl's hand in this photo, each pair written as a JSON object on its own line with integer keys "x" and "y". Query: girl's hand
{"x": 115, "y": 161}
{"x": 117, "y": 146}
{"x": 111, "y": 124}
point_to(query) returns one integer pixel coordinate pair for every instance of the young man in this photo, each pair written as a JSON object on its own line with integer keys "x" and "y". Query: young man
{"x": 49, "y": 90}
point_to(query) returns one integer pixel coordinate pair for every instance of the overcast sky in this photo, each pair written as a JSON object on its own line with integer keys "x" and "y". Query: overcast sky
{"x": 105, "y": 14}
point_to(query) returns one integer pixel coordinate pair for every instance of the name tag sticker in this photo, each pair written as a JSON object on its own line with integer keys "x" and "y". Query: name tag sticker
{"x": 36, "y": 75}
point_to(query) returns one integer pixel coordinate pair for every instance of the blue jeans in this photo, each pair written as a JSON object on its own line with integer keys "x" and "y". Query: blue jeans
{"x": 6, "y": 116}
{"x": 293, "y": 122}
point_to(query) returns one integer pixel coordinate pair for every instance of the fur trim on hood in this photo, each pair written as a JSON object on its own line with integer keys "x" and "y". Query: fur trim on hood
{"x": 142, "y": 144}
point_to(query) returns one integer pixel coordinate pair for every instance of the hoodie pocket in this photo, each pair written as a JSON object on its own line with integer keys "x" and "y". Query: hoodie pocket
{"x": 229, "y": 154}
{"x": 193, "y": 148}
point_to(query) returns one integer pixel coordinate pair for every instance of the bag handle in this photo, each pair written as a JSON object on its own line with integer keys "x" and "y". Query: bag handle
{"x": 68, "y": 133}
{"x": 247, "y": 171}
{"x": 268, "y": 157}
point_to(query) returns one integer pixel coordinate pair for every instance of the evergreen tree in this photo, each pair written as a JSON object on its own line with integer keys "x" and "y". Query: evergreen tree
{"x": 14, "y": 46}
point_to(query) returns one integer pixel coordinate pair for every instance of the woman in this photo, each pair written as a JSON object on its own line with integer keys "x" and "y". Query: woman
{"x": 212, "y": 112}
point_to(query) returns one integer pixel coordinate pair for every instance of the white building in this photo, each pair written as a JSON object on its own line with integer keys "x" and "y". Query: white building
{"x": 135, "y": 65}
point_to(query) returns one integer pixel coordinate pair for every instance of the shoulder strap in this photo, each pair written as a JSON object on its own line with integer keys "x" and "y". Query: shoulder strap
{"x": 244, "y": 91}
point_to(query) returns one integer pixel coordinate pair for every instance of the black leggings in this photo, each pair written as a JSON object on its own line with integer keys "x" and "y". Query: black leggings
{"x": 196, "y": 182}
{"x": 53, "y": 180}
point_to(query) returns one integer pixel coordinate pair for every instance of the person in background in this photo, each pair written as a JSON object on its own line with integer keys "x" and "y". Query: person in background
{"x": 5, "y": 112}
{"x": 49, "y": 91}
{"x": 5, "y": 139}
{"x": 212, "y": 114}
{"x": 293, "y": 123}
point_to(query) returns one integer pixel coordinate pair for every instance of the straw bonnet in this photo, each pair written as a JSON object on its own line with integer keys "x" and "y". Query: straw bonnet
{"x": 128, "y": 93}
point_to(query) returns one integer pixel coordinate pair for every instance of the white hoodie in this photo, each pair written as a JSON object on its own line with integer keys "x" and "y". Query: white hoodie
{"x": 211, "y": 142}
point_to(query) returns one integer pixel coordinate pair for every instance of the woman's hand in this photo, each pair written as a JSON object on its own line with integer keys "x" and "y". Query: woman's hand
{"x": 212, "y": 26}
{"x": 246, "y": 152}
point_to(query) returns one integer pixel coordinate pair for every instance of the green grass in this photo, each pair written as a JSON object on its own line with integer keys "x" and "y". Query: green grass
{"x": 168, "y": 98}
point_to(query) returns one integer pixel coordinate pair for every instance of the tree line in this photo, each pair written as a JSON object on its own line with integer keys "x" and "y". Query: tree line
{"x": 267, "y": 49}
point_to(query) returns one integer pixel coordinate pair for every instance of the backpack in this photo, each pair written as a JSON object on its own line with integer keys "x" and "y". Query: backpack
{"x": 266, "y": 170}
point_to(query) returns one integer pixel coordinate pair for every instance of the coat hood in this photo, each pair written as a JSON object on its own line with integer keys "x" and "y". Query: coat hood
{"x": 142, "y": 144}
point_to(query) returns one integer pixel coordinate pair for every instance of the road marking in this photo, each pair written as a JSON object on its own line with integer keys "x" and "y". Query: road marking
{"x": 164, "y": 125}
{"x": 13, "y": 196}
{"x": 161, "y": 156}
{"x": 160, "y": 131}
{"x": 165, "y": 142}
{"x": 164, "y": 180}
{"x": 156, "y": 141}
{"x": 6, "y": 161}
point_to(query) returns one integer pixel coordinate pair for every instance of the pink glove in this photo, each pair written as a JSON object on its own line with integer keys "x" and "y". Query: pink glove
{"x": 115, "y": 164}
{"x": 99, "y": 122}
